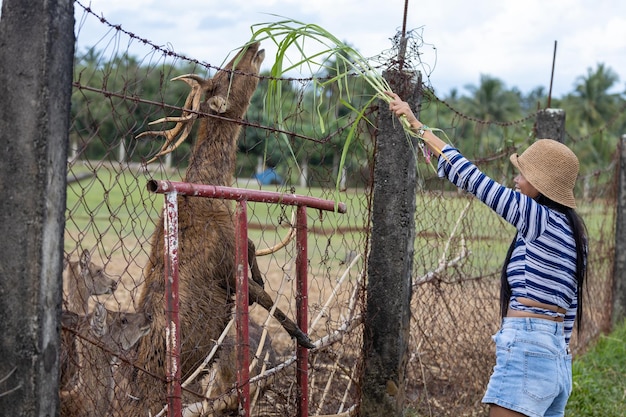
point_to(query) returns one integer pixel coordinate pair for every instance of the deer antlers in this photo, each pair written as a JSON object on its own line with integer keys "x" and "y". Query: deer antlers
{"x": 184, "y": 123}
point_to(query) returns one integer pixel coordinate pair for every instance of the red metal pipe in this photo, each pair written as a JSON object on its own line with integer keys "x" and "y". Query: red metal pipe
{"x": 239, "y": 194}
{"x": 171, "y": 190}
{"x": 172, "y": 331}
{"x": 302, "y": 307}
{"x": 241, "y": 309}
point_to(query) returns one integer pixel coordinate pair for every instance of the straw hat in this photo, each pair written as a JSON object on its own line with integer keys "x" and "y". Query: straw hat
{"x": 551, "y": 168}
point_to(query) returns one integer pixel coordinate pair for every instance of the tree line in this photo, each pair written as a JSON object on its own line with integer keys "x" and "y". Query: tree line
{"x": 115, "y": 99}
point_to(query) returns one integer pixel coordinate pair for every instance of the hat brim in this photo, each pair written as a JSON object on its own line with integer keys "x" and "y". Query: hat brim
{"x": 566, "y": 200}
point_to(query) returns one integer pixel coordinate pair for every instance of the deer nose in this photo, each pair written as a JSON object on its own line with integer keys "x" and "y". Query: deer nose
{"x": 114, "y": 285}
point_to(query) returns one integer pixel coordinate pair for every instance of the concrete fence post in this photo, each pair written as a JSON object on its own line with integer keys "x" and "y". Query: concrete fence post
{"x": 36, "y": 58}
{"x": 390, "y": 261}
{"x": 619, "y": 270}
{"x": 550, "y": 124}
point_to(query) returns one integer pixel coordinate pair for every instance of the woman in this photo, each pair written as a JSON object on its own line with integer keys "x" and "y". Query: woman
{"x": 542, "y": 275}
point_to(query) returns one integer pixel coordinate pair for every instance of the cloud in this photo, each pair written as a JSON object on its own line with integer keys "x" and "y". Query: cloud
{"x": 512, "y": 41}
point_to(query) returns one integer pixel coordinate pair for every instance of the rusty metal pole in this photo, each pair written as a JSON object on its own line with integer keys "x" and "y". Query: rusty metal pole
{"x": 172, "y": 302}
{"x": 302, "y": 305}
{"x": 241, "y": 252}
{"x": 231, "y": 193}
{"x": 241, "y": 310}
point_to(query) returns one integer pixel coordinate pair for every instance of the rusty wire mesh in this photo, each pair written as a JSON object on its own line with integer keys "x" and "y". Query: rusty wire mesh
{"x": 456, "y": 310}
{"x": 458, "y": 250}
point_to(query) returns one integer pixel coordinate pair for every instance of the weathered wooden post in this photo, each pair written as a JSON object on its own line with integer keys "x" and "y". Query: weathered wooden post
{"x": 390, "y": 261}
{"x": 619, "y": 271}
{"x": 36, "y": 58}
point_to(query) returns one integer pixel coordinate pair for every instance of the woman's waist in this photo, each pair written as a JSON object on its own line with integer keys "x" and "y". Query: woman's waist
{"x": 535, "y": 309}
{"x": 518, "y": 313}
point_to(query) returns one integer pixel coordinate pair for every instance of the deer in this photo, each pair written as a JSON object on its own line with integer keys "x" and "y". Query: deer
{"x": 102, "y": 337}
{"x": 225, "y": 368}
{"x": 219, "y": 386}
{"x": 83, "y": 279}
{"x": 206, "y": 243}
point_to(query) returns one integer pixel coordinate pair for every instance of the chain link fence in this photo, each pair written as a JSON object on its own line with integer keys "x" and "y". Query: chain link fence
{"x": 111, "y": 219}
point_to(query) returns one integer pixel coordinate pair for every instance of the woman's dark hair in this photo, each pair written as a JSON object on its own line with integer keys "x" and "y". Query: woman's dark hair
{"x": 579, "y": 231}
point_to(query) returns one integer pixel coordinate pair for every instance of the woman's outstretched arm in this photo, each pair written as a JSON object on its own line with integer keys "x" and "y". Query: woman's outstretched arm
{"x": 401, "y": 108}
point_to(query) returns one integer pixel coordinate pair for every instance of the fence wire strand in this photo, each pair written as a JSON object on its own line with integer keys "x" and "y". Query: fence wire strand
{"x": 459, "y": 244}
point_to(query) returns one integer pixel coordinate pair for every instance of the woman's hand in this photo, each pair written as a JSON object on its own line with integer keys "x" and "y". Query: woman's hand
{"x": 402, "y": 108}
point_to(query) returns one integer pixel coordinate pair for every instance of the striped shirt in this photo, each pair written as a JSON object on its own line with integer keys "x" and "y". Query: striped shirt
{"x": 543, "y": 262}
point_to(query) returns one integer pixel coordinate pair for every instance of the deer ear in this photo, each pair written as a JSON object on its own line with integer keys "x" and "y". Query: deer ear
{"x": 85, "y": 258}
{"x": 98, "y": 321}
{"x": 218, "y": 104}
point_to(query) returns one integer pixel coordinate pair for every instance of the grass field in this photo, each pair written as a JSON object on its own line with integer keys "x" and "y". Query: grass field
{"x": 114, "y": 215}
{"x": 600, "y": 378}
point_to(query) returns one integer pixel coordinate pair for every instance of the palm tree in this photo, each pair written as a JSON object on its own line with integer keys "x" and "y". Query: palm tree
{"x": 590, "y": 108}
{"x": 490, "y": 102}
{"x": 594, "y": 102}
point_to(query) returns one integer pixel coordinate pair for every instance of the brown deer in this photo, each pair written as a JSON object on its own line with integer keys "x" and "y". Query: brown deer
{"x": 101, "y": 338}
{"x": 226, "y": 367}
{"x": 206, "y": 234}
{"x": 219, "y": 383}
{"x": 81, "y": 280}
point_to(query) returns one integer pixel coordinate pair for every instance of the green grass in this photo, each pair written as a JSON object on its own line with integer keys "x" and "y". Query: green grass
{"x": 600, "y": 378}
{"x": 108, "y": 207}
{"x": 114, "y": 206}
{"x": 114, "y": 211}
{"x": 117, "y": 212}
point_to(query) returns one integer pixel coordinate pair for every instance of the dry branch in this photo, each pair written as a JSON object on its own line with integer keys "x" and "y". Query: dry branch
{"x": 335, "y": 291}
{"x": 445, "y": 263}
{"x": 288, "y": 238}
{"x": 195, "y": 408}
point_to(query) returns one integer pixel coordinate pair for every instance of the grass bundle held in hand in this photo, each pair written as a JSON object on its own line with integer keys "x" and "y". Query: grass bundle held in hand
{"x": 293, "y": 40}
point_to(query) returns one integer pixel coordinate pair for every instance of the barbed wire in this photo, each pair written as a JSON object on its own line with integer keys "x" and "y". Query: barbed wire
{"x": 404, "y": 54}
{"x": 136, "y": 99}
{"x": 440, "y": 352}
{"x": 618, "y": 114}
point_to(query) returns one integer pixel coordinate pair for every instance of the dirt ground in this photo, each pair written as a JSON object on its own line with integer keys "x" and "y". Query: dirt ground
{"x": 450, "y": 354}
{"x": 328, "y": 296}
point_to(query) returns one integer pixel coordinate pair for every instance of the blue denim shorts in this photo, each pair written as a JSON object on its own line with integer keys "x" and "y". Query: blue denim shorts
{"x": 533, "y": 372}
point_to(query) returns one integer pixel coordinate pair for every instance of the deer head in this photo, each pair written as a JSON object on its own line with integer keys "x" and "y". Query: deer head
{"x": 244, "y": 66}
{"x": 119, "y": 331}
{"x": 95, "y": 278}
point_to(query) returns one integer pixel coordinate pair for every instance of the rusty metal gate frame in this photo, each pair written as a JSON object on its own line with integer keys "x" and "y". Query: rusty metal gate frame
{"x": 171, "y": 190}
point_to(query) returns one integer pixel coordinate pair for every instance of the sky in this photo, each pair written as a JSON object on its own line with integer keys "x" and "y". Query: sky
{"x": 512, "y": 40}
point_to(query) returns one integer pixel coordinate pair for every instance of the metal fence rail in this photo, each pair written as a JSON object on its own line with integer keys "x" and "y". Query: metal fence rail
{"x": 241, "y": 196}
